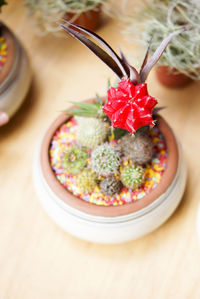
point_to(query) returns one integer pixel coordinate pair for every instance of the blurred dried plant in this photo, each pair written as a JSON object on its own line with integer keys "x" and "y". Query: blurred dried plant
{"x": 45, "y": 13}
{"x": 154, "y": 20}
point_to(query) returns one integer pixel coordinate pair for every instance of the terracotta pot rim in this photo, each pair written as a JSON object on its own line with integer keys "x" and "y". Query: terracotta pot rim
{"x": 171, "y": 69}
{"x": 10, "y": 67}
{"x": 171, "y": 77}
{"x": 109, "y": 211}
{"x": 90, "y": 18}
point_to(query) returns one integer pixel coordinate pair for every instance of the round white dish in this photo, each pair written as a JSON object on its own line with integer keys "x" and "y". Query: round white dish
{"x": 109, "y": 230}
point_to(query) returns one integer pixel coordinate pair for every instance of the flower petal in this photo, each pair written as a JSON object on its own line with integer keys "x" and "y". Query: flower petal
{"x": 129, "y": 106}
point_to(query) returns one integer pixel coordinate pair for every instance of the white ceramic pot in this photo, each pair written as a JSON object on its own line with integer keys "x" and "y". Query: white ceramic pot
{"x": 16, "y": 82}
{"x": 109, "y": 229}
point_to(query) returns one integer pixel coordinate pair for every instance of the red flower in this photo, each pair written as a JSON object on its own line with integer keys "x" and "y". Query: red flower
{"x": 129, "y": 106}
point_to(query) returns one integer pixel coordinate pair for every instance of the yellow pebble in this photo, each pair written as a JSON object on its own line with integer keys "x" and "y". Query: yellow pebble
{"x": 91, "y": 200}
{"x": 158, "y": 176}
{"x": 118, "y": 197}
{"x": 149, "y": 173}
{"x": 100, "y": 202}
{"x": 96, "y": 189}
{"x": 4, "y": 46}
{"x": 157, "y": 167}
{"x": 149, "y": 184}
{"x": 111, "y": 137}
{"x": 155, "y": 139}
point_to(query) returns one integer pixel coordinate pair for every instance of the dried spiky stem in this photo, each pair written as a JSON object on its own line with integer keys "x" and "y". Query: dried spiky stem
{"x": 119, "y": 66}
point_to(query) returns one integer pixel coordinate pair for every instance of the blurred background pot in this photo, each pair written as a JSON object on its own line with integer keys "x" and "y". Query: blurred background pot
{"x": 15, "y": 76}
{"x": 44, "y": 14}
{"x": 171, "y": 78}
{"x": 110, "y": 224}
{"x": 90, "y": 19}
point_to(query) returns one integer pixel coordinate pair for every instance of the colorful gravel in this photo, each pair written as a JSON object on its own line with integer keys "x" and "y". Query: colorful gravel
{"x": 66, "y": 135}
{"x": 3, "y": 51}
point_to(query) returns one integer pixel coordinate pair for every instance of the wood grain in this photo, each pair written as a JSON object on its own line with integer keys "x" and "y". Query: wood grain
{"x": 37, "y": 259}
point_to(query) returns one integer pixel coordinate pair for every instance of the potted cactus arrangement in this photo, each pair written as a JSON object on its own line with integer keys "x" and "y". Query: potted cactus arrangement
{"x": 110, "y": 169}
{"x": 179, "y": 64}
{"x": 82, "y": 12}
{"x": 15, "y": 73}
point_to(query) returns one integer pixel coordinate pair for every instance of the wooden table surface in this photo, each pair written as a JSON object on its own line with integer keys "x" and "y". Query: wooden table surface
{"x": 37, "y": 259}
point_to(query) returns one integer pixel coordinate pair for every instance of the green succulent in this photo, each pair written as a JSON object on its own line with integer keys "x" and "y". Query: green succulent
{"x": 91, "y": 132}
{"x": 74, "y": 159}
{"x": 132, "y": 176}
{"x": 105, "y": 160}
{"x": 87, "y": 109}
{"x": 87, "y": 181}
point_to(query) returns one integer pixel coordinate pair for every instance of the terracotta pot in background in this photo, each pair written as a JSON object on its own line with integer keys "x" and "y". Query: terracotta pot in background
{"x": 89, "y": 19}
{"x": 110, "y": 224}
{"x": 15, "y": 76}
{"x": 171, "y": 78}
{"x": 12, "y": 52}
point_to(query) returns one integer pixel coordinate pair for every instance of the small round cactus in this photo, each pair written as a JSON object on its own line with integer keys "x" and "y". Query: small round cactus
{"x": 132, "y": 176}
{"x": 138, "y": 148}
{"x": 74, "y": 159}
{"x": 91, "y": 132}
{"x": 105, "y": 160}
{"x": 110, "y": 186}
{"x": 87, "y": 181}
